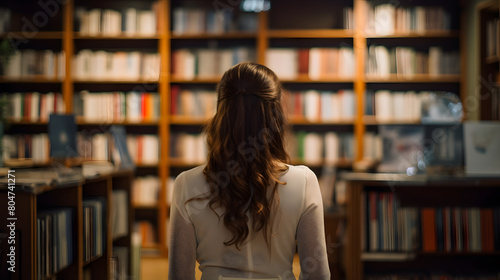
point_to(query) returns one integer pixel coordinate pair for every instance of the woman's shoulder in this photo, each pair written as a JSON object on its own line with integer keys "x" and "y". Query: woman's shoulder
{"x": 300, "y": 170}
{"x": 187, "y": 180}
{"x": 194, "y": 172}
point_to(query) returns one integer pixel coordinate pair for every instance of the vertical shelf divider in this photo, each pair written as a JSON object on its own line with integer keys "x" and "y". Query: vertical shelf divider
{"x": 164, "y": 129}
{"x": 68, "y": 48}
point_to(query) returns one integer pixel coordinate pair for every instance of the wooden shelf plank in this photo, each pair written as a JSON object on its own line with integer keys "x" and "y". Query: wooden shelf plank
{"x": 227, "y": 35}
{"x": 304, "y": 121}
{"x": 37, "y": 35}
{"x": 117, "y": 81}
{"x": 372, "y": 120}
{"x": 298, "y": 79}
{"x": 417, "y": 78}
{"x": 183, "y": 120}
{"x": 30, "y": 80}
{"x": 388, "y": 256}
{"x": 311, "y": 33}
{"x": 78, "y": 36}
{"x": 413, "y": 34}
{"x": 81, "y": 121}
{"x": 195, "y": 80}
{"x": 305, "y": 79}
{"x": 492, "y": 59}
{"x": 25, "y": 122}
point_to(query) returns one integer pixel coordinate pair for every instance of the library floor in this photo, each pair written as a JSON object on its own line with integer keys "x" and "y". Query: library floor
{"x": 157, "y": 268}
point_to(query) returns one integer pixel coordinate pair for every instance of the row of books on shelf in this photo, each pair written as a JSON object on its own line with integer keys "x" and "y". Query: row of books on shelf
{"x": 387, "y": 19}
{"x": 33, "y": 146}
{"x": 389, "y": 227}
{"x": 321, "y": 148}
{"x": 29, "y": 63}
{"x": 105, "y": 65}
{"x": 145, "y": 190}
{"x": 316, "y": 106}
{"x": 33, "y": 106}
{"x": 192, "y": 103}
{"x": 460, "y": 229}
{"x": 93, "y": 228}
{"x": 388, "y": 105}
{"x": 121, "y": 268}
{"x": 143, "y": 149}
{"x": 492, "y": 37}
{"x": 307, "y": 147}
{"x": 200, "y": 21}
{"x": 315, "y": 63}
{"x": 392, "y": 228}
{"x": 406, "y": 61}
{"x": 210, "y": 63}
{"x": 105, "y": 107}
{"x": 54, "y": 243}
{"x": 189, "y": 147}
{"x": 108, "y": 22}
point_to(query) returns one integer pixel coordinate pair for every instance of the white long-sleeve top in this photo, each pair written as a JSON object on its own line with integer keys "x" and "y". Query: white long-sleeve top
{"x": 197, "y": 234}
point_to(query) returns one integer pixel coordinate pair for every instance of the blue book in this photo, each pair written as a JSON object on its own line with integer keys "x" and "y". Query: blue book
{"x": 62, "y": 136}
{"x": 120, "y": 139}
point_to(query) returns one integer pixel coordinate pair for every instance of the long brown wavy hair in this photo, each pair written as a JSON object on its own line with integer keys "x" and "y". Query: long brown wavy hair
{"x": 246, "y": 150}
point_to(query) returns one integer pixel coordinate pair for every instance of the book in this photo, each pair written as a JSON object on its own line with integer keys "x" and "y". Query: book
{"x": 145, "y": 190}
{"x": 62, "y": 135}
{"x": 123, "y": 159}
{"x": 482, "y": 148}
{"x": 119, "y": 214}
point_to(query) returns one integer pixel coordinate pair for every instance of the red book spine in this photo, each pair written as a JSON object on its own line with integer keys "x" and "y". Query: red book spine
{"x": 139, "y": 149}
{"x": 465, "y": 222}
{"x": 429, "y": 235}
{"x": 27, "y": 106}
{"x": 143, "y": 105}
{"x": 303, "y": 61}
{"x": 487, "y": 234}
{"x": 174, "y": 93}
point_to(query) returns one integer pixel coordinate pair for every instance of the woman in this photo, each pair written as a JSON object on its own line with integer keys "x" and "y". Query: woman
{"x": 244, "y": 213}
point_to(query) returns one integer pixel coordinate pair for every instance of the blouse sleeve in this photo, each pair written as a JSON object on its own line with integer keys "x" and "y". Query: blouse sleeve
{"x": 311, "y": 234}
{"x": 182, "y": 243}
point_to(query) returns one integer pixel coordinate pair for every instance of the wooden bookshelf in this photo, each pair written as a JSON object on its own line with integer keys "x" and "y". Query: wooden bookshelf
{"x": 489, "y": 98}
{"x": 36, "y": 36}
{"x": 416, "y": 78}
{"x": 426, "y": 34}
{"x": 203, "y": 36}
{"x": 32, "y": 201}
{"x": 30, "y": 80}
{"x": 265, "y": 37}
{"x": 311, "y": 33}
{"x": 420, "y": 191}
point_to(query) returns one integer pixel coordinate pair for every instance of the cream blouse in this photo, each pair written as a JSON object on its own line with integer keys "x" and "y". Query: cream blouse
{"x": 198, "y": 235}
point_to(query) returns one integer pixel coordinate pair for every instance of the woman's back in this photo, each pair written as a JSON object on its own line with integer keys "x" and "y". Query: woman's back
{"x": 300, "y": 199}
{"x": 245, "y": 211}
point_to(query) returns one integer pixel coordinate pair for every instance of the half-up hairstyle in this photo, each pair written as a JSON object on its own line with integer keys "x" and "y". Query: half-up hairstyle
{"x": 246, "y": 150}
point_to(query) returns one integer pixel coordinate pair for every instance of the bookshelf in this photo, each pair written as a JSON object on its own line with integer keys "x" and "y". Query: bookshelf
{"x": 288, "y": 25}
{"x": 488, "y": 16}
{"x": 33, "y": 206}
{"x": 458, "y": 241}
